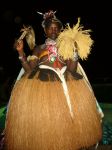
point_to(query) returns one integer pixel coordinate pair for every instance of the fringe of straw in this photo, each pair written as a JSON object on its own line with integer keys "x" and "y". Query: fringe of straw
{"x": 74, "y": 38}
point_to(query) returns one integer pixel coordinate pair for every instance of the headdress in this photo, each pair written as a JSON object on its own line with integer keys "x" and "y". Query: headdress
{"x": 74, "y": 38}
{"x": 50, "y": 17}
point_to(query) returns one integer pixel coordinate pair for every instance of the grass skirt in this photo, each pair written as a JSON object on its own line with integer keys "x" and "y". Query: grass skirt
{"x": 38, "y": 116}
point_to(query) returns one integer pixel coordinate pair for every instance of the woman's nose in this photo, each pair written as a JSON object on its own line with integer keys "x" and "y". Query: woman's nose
{"x": 54, "y": 30}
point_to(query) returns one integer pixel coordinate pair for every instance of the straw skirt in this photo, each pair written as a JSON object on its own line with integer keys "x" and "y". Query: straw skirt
{"x": 39, "y": 118}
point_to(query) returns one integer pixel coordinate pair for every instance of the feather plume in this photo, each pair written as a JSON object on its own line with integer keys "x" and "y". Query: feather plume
{"x": 74, "y": 38}
{"x": 30, "y": 38}
{"x": 29, "y": 34}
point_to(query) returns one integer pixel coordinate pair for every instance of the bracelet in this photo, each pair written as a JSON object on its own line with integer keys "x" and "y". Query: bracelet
{"x": 21, "y": 57}
{"x": 30, "y": 58}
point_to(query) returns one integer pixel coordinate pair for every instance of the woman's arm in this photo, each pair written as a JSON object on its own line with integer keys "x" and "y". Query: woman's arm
{"x": 27, "y": 63}
{"x": 72, "y": 66}
{"x": 18, "y": 45}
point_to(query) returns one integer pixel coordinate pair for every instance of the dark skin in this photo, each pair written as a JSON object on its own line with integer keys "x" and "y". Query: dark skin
{"x": 52, "y": 32}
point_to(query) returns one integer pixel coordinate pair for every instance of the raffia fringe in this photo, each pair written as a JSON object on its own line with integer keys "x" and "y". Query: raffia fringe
{"x": 74, "y": 38}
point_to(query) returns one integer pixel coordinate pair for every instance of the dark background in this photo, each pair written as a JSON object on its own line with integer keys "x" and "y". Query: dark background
{"x": 94, "y": 16}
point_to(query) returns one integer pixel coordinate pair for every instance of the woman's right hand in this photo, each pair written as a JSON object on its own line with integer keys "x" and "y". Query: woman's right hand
{"x": 18, "y": 45}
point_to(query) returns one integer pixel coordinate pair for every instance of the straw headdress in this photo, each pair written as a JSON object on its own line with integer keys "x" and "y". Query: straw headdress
{"x": 74, "y": 38}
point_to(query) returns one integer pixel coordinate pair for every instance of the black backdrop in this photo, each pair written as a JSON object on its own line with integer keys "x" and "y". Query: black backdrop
{"x": 93, "y": 15}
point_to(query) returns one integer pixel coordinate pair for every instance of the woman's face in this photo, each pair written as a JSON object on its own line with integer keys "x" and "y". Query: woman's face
{"x": 52, "y": 31}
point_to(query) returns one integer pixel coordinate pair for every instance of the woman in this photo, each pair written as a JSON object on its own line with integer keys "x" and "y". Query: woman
{"x": 51, "y": 106}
